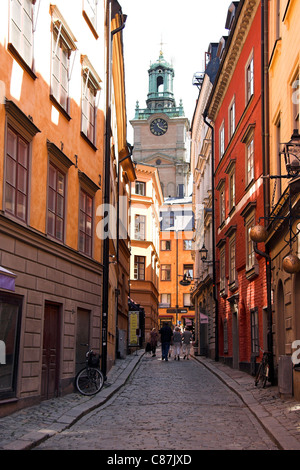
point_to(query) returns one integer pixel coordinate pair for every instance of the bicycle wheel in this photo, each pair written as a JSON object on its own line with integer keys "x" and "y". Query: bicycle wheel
{"x": 89, "y": 381}
{"x": 259, "y": 374}
{"x": 265, "y": 375}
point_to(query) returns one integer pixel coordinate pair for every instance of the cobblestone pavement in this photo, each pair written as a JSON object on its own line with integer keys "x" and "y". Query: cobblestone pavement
{"x": 175, "y": 405}
{"x": 220, "y": 406}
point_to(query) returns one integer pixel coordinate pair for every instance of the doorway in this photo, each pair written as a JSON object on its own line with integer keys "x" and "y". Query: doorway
{"x": 50, "y": 361}
{"x": 235, "y": 338}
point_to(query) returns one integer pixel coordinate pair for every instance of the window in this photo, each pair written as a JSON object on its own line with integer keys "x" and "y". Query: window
{"x": 222, "y": 271}
{"x": 63, "y": 44}
{"x": 232, "y": 261}
{"x": 187, "y": 245}
{"x": 249, "y": 79}
{"x": 90, "y": 14}
{"x": 222, "y": 207}
{"x": 250, "y": 160}
{"x": 295, "y": 92}
{"x": 254, "y": 331}
{"x": 21, "y": 29}
{"x": 16, "y": 184}
{"x": 10, "y": 315}
{"x": 85, "y": 223}
{"x": 231, "y": 190}
{"x": 20, "y": 132}
{"x": 165, "y": 300}
{"x": 56, "y": 203}
{"x": 230, "y": 170}
{"x": 186, "y": 300}
{"x": 222, "y": 140}
{"x": 188, "y": 270}
{"x": 250, "y": 253}
{"x": 140, "y": 227}
{"x": 231, "y": 119}
{"x": 165, "y": 272}
{"x": 165, "y": 245}
{"x": 140, "y": 188}
{"x": 139, "y": 268}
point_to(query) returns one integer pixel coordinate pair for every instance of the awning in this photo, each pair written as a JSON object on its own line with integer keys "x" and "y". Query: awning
{"x": 7, "y": 279}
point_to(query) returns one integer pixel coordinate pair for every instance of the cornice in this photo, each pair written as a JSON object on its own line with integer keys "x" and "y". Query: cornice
{"x": 235, "y": 46}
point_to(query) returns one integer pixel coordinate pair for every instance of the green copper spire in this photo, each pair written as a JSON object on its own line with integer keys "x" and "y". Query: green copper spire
{"x": 160, "y": 98}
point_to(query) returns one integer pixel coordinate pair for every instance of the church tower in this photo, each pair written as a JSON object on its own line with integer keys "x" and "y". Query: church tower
{"x": 161, "y": 131}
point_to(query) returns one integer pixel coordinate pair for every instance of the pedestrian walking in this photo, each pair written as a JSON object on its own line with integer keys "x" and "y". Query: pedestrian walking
{"x": 153, "y": 341}
{"x": 177, "y": 340}
{"x": 166, "y": 335}
{"x": 187, "y": 339}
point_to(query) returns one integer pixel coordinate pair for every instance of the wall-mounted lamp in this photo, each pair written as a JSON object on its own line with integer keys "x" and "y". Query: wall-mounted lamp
{"x": 258, "y": 233}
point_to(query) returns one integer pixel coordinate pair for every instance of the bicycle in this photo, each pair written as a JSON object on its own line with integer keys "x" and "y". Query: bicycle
{"x": 90, "y": 379}
{"x": 263, "y": 372}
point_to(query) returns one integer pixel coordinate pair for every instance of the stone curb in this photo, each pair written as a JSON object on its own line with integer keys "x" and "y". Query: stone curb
{"x": 71, "y": 416}
{"x": 283, "y": 439}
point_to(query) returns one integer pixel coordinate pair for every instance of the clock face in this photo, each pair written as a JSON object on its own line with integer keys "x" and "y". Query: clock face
{"x": 158, "y": 126}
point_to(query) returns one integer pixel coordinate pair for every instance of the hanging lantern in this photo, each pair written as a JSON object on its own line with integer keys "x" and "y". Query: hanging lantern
{"x": 291, "y": 263}
{"x": 258, "y": 233}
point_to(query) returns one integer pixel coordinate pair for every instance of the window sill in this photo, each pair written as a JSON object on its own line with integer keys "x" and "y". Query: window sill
{"x": 233, "y": 286}
{"x": 252, "y": 273}
{"x": 21, "y": 61}
{"x": 90, "y": 24}
{"x": 60, "y": 108}
{"x": 88, "y": 141}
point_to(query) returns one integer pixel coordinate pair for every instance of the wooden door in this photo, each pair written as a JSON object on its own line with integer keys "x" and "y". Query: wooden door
{"x": 50, "y": 364}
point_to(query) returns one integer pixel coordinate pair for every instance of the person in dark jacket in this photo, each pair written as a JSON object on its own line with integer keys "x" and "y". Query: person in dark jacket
{"x": 166, "y": 334}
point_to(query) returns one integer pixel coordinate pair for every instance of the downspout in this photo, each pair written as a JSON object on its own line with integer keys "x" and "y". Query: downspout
{"x": 118, "y": 238}
{"x": 215, "y": 297}
{"x": 266, "y": 167}
{"x": 265, "y": 105}
{"x": 269, "y": 309}
{"x": 109, "y": 45}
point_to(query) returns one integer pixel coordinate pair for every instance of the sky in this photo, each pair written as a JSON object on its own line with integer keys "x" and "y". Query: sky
{"x": 185, "y": 28}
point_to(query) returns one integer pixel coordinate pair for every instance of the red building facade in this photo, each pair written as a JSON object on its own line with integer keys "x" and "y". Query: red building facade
{"x": 235, "y": 111}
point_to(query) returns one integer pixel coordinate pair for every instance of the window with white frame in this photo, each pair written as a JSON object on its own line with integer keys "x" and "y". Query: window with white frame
{"x": 186, "y": 300}
{"x": 250, "y": 160}
{"x": 230, "y": 170}
{"x": 90, "y": 89}
{"x": 165, "y": 300}
{"x": 140, "y": 188}
{"x": 222, "y": 140}
{"x": 231, "y": 116}
{"x": 232, "y": 261}
{"x": 250, "y": 253}
{"x": 63, "y": 45}
{"x": 249, "y": 79}
{"x": 90, "y": 12}
{"x": 140, "y": 227}
{"x": 222, "y": 206}
{"x": 222, "y": 270}
{"x": 295, "y": 92}
{"x": 21, "y": 28}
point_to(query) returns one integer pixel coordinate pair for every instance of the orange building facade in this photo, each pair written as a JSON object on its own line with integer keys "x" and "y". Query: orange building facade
{"x": 176, "y": 263}
{"x": 52, "y": 121}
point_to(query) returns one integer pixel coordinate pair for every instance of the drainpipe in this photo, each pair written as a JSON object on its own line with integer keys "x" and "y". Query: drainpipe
{"x": 214, "y": 237}
{"x": 109, "y": 44}
{"x": 118, "y": 238}
{"x": 265, "y": 105}
{"x": 269, "y": 308}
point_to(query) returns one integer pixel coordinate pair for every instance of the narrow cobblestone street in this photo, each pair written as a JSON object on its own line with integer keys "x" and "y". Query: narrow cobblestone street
{"x": 173, "y": 406}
